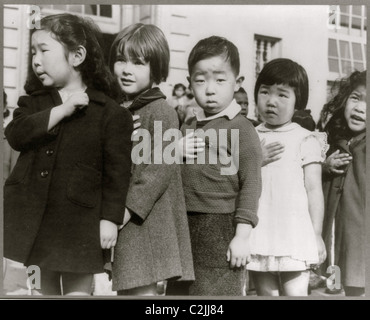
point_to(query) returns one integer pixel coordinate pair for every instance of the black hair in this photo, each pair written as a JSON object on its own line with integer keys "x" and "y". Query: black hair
{"x": 241, "y": 90}
{"x": 212, "y": 47}
{"x": 73, "y": 31}
{"x": 6, "y": 111}
{"x": 143, "y": 41}
{"x": 288, "y": 72}
{"x": 304, "y": 119}
{"x": 337, "y": 127}
{"x": 177, "y": 86}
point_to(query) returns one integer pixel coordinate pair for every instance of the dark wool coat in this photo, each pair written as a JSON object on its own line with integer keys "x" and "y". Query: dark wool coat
{"x": 155, "y": 244}
{"x": 65, "y": 181}
{"x": 345, "y": 211}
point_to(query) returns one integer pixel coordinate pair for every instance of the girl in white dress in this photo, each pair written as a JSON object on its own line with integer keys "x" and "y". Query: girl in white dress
{"x": 287, "y": 240}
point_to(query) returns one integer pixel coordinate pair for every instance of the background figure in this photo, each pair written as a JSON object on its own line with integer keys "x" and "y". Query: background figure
{"x": 191, "y": 106}
{"x": 241, "y": 98}
{"x": 178, "y": 99}
{"x": 304, "y": 119}
{"x": 344, "y": 183}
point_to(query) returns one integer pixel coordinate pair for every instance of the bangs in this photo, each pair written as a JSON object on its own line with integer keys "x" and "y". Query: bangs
{"x": 134, "y": 47}
{"x": 282, "y": 75}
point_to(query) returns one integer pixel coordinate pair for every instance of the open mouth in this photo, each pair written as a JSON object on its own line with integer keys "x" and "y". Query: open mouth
{"x": 357, "y": 118}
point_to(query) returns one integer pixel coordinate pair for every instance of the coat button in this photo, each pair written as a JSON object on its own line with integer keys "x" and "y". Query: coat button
{"x": 44, "y": 173}
{"x": 49, "y": 152}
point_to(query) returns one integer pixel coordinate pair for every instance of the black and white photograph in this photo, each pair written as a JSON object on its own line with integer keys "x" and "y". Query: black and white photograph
{"x": 184, "y": 151}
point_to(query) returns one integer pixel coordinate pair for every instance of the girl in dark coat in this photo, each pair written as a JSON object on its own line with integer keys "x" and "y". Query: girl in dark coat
{"x": 154, "y": 243}
{"x": 66, "y": 194}
{"x": 344, "y": 183}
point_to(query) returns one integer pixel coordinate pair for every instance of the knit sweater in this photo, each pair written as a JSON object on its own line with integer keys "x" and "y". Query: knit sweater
{"x": 206, "y": 189}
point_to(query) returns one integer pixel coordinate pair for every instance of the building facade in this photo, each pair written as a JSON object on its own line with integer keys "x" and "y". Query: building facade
{"x": 328, "y": 41}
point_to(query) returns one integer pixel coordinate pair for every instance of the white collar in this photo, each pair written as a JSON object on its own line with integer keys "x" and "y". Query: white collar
{"x": 230, "y": 112}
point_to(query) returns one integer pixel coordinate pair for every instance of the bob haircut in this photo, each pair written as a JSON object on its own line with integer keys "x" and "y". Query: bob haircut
{"x": 288, "y": 72}
{"x": 143, "y": 41}
{"x": 212, "y": 47}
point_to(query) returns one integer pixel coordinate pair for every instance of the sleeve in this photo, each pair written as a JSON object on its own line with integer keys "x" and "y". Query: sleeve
{"x": 28, "y": 128}
{"x": 116, "y": 165}
{"x": 150, "y": 181}
{"x": 313, "y": 148}
{"x": 250, "y": 161}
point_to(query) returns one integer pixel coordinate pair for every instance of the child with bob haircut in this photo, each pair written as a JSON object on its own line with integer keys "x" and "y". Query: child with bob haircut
{"x": 64, "y": 199}
{"x": 287, "y": 240}
{"x": 222, "y": 208}
{"x": 154, "y": 243}
{"x": 345, "y": 183}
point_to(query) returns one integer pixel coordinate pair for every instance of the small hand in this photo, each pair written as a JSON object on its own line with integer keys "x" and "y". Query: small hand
{"x": 238, "y": 252}
{"x": 75, "y": 101}
{"x": 337, "y": 160}
{"x": 271, "y": 152}
{"x": 108, "y": 234}
{"x": 189, "y": 146}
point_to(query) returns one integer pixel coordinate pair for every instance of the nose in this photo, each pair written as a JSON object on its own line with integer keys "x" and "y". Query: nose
{"x": 127, "y": 68}
{"x": 210, "y": 88}
{"x": 271, "y": 102}
{"x": 360, "y": 107}
{"x": 36, "y": 60}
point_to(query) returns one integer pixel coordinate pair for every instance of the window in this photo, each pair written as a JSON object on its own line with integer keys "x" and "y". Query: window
{"x": 346, "y": 56}
{"x": 266, "y": 49}
{"x": 348, "y": 19}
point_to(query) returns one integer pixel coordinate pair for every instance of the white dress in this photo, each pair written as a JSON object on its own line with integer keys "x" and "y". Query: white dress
{"x": 284, "y": 238}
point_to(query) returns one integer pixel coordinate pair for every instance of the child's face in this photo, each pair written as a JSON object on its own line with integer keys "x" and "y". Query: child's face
{"x": 276, "y": 104}
{"x": 242, "y": 100}
{"x": 179, "y": 92}
{"x": 213, "y": 83}
{"x": 355, "y": 110}
{"x": 133, "y": 75}
{"x": 49, "y": 61}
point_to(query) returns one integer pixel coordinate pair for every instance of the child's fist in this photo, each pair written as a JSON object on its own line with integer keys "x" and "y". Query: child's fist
{"x": 75, "y": 101}
{"x": 108, "y": 234}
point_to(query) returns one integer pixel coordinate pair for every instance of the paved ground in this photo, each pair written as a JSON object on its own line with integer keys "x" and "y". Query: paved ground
{"x": 15, "y": 283}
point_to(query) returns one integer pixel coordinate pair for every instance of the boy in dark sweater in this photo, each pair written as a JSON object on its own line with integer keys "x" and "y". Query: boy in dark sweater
{"x": 222, "y": 186}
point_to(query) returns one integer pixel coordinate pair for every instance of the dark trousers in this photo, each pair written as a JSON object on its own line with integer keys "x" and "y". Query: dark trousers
{"x": 210, "y": 237}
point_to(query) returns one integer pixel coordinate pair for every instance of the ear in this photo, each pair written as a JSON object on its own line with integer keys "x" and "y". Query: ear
{"x": 78, "y": 56}
{"x": 188, "y": 78}
{"x": 236, "y": 86}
